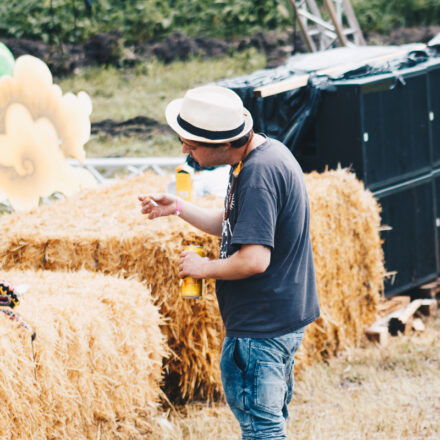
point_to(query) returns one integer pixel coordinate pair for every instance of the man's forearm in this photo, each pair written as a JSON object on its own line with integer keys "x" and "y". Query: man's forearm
{"x": 248, "y": 261}
{"x": 208, "y": 220}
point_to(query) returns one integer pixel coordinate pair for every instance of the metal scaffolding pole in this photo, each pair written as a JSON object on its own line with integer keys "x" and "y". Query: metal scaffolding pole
{"x": 319, "y": 34}
{"x": 103, "y": 168}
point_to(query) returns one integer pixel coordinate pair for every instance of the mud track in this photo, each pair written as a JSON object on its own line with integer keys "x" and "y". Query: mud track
{"x": 140, "y": 127}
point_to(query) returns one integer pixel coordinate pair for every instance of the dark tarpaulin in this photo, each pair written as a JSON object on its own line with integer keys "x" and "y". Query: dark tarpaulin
{"x": 285, "y": 116}
{"x": 407, "y": 61}
{"x": 290, "y": 116}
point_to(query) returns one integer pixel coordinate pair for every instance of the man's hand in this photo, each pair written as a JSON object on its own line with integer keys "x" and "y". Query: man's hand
{"x": 191, "y": 264}
{"x": 158, "y": 205}
{"x": 249, "y": 260}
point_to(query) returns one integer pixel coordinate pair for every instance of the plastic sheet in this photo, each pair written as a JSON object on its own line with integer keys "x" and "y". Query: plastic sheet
{"x": 412, "y": 59}
{"x": 285, "y": 116}
{"x": 288, "y": 116}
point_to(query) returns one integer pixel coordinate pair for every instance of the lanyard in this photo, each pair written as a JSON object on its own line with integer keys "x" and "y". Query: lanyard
{"x": 235, "y": 174}
{"x": 236, "y": 171}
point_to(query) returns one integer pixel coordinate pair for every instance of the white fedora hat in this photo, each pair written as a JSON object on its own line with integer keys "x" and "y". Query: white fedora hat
{"x": 209, "y": 114}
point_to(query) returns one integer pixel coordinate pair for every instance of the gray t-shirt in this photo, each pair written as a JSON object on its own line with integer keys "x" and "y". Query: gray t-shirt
{"x": 269, "y": 207}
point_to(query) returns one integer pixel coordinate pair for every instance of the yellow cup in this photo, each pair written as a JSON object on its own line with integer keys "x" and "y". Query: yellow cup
{"x": 183, "y": 183}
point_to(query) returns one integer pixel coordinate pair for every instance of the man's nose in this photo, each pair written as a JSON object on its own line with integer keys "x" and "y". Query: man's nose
{"x": 185, "y": 149}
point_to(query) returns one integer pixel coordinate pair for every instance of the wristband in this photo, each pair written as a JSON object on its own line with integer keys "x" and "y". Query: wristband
{"x": 178, "y": 207}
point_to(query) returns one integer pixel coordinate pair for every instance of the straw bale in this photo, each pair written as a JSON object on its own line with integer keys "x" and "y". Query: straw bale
{"x": 103, "y": 230}
{"x": 349, "y": 261}
{"x": 98, "y": 358}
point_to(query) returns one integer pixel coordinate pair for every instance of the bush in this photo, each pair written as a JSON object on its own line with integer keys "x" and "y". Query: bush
{"x": 139, "y": 20}
{"x": 385, "y": 15}
{"x": 142, "y": 20}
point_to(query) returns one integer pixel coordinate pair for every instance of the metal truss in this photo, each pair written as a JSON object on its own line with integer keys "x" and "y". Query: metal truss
{"x": 320, "y": 34}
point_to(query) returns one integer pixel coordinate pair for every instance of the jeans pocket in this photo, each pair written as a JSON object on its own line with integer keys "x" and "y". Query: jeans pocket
{"x": 270, "y": 387}
{"x": 241, "y": 354}
{"x": 232, "y": 365}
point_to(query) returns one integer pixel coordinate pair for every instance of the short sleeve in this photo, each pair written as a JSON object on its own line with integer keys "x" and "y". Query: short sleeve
{"x": 257, "y": 216}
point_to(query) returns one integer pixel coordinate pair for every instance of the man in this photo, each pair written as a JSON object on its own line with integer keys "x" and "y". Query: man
{"x": 266, "y": 286}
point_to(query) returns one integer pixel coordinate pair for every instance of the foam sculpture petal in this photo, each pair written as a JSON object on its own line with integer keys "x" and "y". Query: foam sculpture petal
{"x": 32, "y": 86}
{"x": 31, "y": 163}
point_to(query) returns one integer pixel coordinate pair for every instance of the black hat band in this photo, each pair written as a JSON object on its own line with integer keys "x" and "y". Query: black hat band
{"x": 208, "y": 134}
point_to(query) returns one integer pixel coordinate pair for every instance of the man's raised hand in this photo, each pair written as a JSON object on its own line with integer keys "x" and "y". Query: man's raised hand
{"x": 158, "y": 205}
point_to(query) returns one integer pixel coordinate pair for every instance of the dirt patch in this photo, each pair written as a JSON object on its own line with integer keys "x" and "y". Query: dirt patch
{"x": 64, "y": 58}
{"x": 105, "y": 49}
{"x": 399, "y": 36}
{"x": 140, "y": 126}
{"x": 109, "y": 49}
{"x": 276, "y": 45}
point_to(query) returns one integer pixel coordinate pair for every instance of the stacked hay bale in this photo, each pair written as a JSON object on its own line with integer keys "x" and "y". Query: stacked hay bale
{"x": 345, "y": 224}
{"x": 95, "y": 367}
{"x": 103, "y": 230}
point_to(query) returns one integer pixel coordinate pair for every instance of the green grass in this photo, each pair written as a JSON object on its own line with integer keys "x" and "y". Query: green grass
{"x": 158, "y": 144}
{"x": 145, "y": 90}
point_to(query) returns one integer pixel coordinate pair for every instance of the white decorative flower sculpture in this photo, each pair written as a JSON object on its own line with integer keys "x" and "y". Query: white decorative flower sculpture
{"x": 39, "y": 128}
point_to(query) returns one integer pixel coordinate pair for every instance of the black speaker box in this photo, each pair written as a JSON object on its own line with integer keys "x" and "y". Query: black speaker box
{"x": 410, "y": 245}
{"x": 378, "y": 125}
{"x": 434, "y": 112}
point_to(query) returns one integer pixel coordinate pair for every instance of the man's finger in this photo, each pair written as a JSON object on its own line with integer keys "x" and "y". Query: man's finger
{"x": 156, "y": 197}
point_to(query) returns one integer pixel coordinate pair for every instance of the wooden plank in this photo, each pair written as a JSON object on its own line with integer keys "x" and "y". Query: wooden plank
{"x": 428, "y": 307}
{"x": 308, "y": 40}
{"x": 396, "y": 326}
{"x": 408, "y": 311}
{"x": 321, "y": 25}
{"x": 336, "y": 23}
{"x": 292, "y": 83}
{"x": 353, "y": 22}
{"x": 401, "y": 320}
{"x": 392, "y": 304}
{"x": 295, "y": 82}
{"x": 418, "y": 325}
{"x": 377, "y": 334}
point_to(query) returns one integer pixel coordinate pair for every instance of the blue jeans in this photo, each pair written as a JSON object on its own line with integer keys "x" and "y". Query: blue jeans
{"x": 257, "y": 378}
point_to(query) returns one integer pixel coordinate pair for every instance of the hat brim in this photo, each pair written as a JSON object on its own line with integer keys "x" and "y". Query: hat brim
{"x": 173, "y": 110}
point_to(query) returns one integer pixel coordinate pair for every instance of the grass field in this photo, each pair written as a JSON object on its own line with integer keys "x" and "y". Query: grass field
{"x": 145, "y": 90}
{"x": 369, "y": 393}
